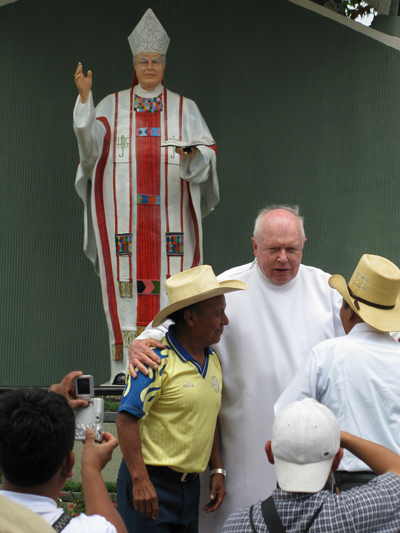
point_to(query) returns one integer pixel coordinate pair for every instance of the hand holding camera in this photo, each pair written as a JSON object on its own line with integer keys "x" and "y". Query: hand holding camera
{"x": 91, "y": 416}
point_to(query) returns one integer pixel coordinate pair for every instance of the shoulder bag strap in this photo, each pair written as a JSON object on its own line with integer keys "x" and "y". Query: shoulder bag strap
{"x": 61, "y": 522}
{"x": 253, "y": 527}
{"x": 271, "y": 517}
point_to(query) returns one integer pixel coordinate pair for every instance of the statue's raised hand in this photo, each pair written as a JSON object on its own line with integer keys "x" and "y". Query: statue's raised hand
{"x": 84, "y": 84}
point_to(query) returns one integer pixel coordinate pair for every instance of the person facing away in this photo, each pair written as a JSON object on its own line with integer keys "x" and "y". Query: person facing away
{"x": 356, "y": 376}
{"x": 287, "y": 309}
{"x": 306, "y": 447}
{"x": 37, "y": 432}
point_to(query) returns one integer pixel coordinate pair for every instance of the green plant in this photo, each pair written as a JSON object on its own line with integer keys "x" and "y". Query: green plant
{"x": 76, "y": 486}
{"x": 111, "y": 486}
{"x": 73, "y": 502}
{"x": 111, "y": 406}
{"x": 74, "y": 506}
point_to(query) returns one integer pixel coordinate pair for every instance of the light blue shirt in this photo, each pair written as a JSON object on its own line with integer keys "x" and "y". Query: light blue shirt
{"x": 358, "y": 378}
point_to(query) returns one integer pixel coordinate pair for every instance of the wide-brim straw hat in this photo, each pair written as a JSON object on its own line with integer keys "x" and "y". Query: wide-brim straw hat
{"x": 192, "y": 286}
{"x": 373, "y": 292}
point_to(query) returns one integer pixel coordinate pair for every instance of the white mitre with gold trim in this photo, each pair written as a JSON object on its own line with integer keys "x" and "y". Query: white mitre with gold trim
{"x": 149, "y": 36}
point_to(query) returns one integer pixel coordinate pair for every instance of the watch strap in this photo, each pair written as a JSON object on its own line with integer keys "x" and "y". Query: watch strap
{"x": 218, "y": 471}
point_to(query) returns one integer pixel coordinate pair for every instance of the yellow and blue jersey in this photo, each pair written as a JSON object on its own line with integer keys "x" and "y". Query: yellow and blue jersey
{"x": 177, "y": 405}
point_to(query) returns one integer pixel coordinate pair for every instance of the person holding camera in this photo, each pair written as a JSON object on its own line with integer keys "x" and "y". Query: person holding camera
{"x": 37, "y": 431}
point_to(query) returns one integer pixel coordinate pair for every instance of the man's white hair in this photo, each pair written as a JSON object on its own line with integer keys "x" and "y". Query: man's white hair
{"x": 294, "y": 209}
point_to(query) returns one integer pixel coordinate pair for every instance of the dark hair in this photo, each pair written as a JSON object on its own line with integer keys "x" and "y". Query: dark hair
{"x": 177, "y": 316}
{"x": 345, "y": 304}
{"x": 37, "y": 431}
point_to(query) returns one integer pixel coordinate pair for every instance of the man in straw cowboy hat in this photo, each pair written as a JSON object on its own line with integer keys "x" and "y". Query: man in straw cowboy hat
{"x": 167, "y": 421}
{"x": 306, "y": 446}
{"x": 357, "y": 376}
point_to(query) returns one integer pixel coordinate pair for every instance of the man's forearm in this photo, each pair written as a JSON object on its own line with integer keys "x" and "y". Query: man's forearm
{"x": 97, "y": 500}
{"x": 131, "y": 445}
{"x": 145, "y": 499}
{"x": 215, "y": 457}
{"x": 377, "y": 457}
{"x": 155, "y": 333}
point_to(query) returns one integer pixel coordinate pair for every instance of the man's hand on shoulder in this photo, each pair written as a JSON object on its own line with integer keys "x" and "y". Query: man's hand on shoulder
{"x": 140, "y": 354}
{"x": 67, "y": 389}
{"x": 95, "y": 456}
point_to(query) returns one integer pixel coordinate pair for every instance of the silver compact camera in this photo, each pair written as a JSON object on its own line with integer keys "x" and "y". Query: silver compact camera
{"x": 91, "y": 416}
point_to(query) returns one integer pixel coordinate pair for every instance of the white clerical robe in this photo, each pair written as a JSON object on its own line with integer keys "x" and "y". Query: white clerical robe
{"x": 271, "y": 330}
{"x": 106, "y": 180}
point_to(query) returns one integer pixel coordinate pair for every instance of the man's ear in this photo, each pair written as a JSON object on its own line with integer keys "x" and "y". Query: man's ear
{"x": 268, "y": 451}
{"x": 188, "y": 315}
{"x": 68, "y": 465}
{"x": 254, "y": 243}
{"x": 352, "y": 314}
{"x": 337, "y": 459}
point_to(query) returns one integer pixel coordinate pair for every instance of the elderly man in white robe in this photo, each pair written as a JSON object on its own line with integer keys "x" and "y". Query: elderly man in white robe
{"x": 287, "y": 309}
{"x": 144, "y": 200}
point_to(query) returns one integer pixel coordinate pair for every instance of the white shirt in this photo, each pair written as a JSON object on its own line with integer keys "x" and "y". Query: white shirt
{"x": 357, "y": 377}
{"x": 47, "y": 509}
{"x": 271, "y": 330}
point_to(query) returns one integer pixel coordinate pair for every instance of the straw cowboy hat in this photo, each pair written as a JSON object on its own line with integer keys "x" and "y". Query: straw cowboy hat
{"x": 373, "y": 292}
{"x": 192, "y": 286}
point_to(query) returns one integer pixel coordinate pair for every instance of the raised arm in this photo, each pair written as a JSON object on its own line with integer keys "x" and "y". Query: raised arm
{"x": 144, "y": 495}
{"x": 67, "y": 389}
{"x": 84, "y": 85}
{"x": 94, "y": 459}
{"x": 217, "y": 481}
{"x": 377, "y": 457}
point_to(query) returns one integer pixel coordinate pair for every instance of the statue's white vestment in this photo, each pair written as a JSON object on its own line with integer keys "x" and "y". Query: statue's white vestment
{"x": 271, "y": 330}
{"x": 113, "y": 153}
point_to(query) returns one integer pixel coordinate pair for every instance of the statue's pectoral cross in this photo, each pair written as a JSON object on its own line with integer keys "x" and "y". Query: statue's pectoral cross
{"x": 122, "y": 143}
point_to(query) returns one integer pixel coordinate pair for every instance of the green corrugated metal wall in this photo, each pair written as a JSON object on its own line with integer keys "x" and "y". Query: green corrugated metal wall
{"x": 303, "y": 110}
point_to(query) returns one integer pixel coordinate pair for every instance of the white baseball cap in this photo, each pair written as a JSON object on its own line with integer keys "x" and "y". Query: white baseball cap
{"x": 305, "y": 440}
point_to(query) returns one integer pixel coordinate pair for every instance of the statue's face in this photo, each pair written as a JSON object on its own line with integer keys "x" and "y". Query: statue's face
{"x": 149, "y": 70}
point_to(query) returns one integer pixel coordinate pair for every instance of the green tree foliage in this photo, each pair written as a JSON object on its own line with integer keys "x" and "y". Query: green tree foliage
{"x": 357, "y": 9}
{"x": 349, "y": 8}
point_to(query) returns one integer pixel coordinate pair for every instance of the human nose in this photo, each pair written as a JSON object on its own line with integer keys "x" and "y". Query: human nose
{"x": 224, "y": 320}
{"x": 282, "y": 257}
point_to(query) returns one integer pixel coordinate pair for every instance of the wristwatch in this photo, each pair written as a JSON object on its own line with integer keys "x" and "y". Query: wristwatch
{"x": 218, "y": 471}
